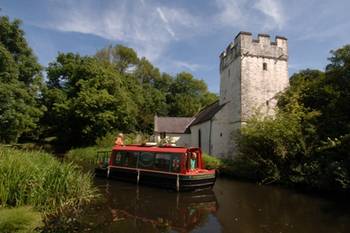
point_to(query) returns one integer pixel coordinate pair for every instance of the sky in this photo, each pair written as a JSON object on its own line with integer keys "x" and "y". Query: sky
{"x": 182, "y": 35}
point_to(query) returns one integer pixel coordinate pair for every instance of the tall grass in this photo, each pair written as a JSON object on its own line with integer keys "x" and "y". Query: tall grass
{"x": 38, "y": 179}
{"x": 20, "y": 220}
{"x": 85, "y": 158}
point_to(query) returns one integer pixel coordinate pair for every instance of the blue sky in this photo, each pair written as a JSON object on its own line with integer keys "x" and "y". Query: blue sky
{"x": 182, "y": 35}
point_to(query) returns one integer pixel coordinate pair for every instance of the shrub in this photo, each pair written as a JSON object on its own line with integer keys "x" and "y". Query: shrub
{"x": 211, "y": 162}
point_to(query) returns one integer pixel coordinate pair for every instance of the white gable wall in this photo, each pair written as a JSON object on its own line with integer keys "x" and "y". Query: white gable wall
{"x": 205, "y": 136}
{"x": 180, "y": 139}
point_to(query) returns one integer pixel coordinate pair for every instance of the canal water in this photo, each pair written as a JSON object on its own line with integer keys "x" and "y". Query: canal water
{"x": 232, "y": 206}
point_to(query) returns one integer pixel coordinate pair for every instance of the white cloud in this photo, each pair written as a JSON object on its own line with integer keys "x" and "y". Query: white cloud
{"x": 265, "y": 14}
{"x": 273, "y": 10}
{"x": 146, "y": 27}
{"x": 187, "y": 65}
{"x": 150, "y": 27}
{"x": 166, "y": 22}
{"x": 230, "y": 12}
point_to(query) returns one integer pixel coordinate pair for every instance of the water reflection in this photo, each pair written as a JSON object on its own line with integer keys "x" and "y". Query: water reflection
{"x": 230, "y": 207}
{"x": 131, "y": 208}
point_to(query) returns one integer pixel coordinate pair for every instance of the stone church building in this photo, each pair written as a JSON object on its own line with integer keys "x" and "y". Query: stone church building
{"x": 252, "y": 72}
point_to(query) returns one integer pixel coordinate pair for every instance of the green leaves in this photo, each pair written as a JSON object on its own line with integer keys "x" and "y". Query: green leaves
{"x": 188, "y": 95}
{"x": 20, "y": 83}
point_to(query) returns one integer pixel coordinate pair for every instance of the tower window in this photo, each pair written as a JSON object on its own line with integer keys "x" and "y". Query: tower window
{"x": 264, "y": 66}
{"x": 229, "y": 73}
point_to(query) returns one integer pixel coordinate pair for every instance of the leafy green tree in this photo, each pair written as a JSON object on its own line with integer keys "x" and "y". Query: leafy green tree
{"x": 86, "y": 98}
{"x": 122, "y": 57}
{"x": 12, "y": 38}
{"x": 146, "y": 73}
{"x": 188, "y": 95}
{"x": 163, "y": 83}
{"x": 20, "y": 83}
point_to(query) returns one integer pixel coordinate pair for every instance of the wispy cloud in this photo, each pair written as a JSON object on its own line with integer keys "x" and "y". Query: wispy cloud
{"x": 165, "y": 21}
{"x": 266, "y": 14}
{"x": 230, "y": 12}
{"x": 150, "y": 27}
{"x": 274, "y": 11}
{"x": 147, "y": 27}
{"x": 187, "y": 65}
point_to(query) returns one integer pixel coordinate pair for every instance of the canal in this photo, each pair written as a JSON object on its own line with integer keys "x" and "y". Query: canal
{"x": 232, "y": 206}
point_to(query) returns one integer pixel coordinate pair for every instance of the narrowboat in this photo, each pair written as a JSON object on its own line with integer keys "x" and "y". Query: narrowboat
{"x": 178, "y": 168}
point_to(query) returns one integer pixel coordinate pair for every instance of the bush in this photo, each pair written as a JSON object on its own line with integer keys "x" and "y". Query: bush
{"x": 20, "y": 220}
{"x": 286, "y": 150}
{"x": 211, "y": 162}
{"x": 40, "y": 180}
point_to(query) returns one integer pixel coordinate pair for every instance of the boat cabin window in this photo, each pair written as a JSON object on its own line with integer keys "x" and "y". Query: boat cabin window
{"x": 146, "y": 160}
{"x": 162, "y": 162}
{"x": 167, "y": 162}
{"x": 126, "y": 158}
{"x": 175, "y": 163}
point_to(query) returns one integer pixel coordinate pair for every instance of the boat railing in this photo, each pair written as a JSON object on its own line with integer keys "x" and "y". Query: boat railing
{"x": 102, "y": 158}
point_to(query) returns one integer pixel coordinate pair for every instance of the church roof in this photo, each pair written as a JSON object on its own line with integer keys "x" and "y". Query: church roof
{"x": 172, "y": 124}
{"x": 207, "y": 113}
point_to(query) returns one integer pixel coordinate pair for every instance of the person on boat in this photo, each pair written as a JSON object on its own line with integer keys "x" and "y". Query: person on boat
{"x": 193, "y": 161}
{"x": 119, "y": 141}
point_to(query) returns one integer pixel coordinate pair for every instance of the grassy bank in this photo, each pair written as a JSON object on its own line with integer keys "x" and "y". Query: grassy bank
{"x": 20, "y": 220}
{"x": 86, "y": 158}
{"x": 39, "y": 180}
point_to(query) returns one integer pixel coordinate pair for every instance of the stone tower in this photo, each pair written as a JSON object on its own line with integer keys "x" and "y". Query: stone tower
{"x": 252, "y": 72}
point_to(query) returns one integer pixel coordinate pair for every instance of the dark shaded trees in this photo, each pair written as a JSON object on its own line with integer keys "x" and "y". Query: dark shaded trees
{"x": 20, "y": 84}
{"x": 188, "y": 95}
{"x": 85, "y": 98}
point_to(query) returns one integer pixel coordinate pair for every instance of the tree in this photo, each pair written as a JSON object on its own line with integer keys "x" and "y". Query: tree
{"x": 12, "y": 38}
{"x": 20, "y": 83}
{"x": 122, "y": 57}
{"x": 86, "y": 98}
{"x": 188, "y": 95}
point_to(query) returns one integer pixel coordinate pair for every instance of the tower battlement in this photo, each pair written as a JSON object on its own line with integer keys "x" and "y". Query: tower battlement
{"x": 245, "y": 45}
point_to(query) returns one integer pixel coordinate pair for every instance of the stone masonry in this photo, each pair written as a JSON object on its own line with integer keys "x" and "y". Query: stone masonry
{"x": 252, "y": 72}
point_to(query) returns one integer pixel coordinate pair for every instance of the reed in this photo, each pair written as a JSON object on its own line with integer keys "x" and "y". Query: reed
{"x": 86, "y": 158}
{"x": 40, "y": 180}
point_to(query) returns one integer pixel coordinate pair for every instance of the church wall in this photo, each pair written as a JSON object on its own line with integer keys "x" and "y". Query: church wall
{"x": 205, "y": 136}
{"x": 222, "y": 136}
{"x": 178, "y": 139}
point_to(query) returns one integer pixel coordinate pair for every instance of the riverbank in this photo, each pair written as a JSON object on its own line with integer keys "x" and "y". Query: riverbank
{"x": 39, "y": 180}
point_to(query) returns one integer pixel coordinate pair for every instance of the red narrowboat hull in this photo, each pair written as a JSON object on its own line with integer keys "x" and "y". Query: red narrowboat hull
{"x": 180, "y": 182}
